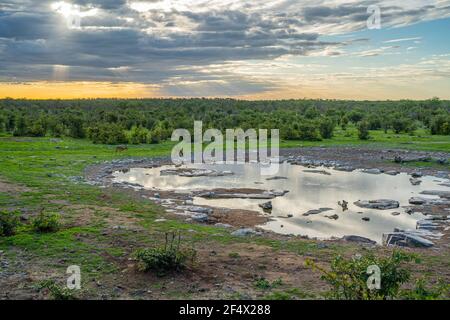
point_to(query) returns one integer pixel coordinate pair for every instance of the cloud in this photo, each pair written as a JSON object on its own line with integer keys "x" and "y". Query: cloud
{"x": 157, "y": 41}
{"x": 403, "y": 40}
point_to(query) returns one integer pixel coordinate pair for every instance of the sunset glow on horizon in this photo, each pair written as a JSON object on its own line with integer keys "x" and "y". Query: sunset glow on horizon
{"x": 278, "y": 49}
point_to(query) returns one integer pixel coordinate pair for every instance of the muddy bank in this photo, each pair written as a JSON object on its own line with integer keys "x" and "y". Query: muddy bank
{"x": 386, "y": 160}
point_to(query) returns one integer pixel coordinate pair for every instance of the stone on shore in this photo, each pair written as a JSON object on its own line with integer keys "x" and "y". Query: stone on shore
{"x": 358, "y": 239}
{"x": 244, "y": 232}
{"x": 405, "y": 239}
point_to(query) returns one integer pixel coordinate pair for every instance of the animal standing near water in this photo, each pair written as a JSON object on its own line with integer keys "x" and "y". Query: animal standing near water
{"x": 121, "y": 148}
{"x": 343, "y": 204}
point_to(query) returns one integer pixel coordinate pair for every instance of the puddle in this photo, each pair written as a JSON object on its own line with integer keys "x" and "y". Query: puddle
{"x": 307, "y": 191}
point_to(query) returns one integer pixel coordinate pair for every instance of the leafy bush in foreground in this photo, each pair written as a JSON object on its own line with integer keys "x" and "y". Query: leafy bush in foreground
{"x": 57, "y": 292}
{"x": 46, "y": 222}
{"x": 9, "y": 221}
{"x": 348, "y": 277}
{"x": 170, "y": 257}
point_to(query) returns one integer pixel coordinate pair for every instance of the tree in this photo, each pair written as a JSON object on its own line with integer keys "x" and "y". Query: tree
{"x": 76, "y": 129}
{"x": 363, "y": 130}
{"x": 107, "y": 133}
{"x": 307, "y": 131}
{"x": 138, "y": 135}
{"x": 21, "y": 127}
{"x": 344, "y": 122}
{"x": 326, "y": 127}
{"x": 356, "y": 116}
{"x": 400, "y": 125}
{"x": 440, "y": 124}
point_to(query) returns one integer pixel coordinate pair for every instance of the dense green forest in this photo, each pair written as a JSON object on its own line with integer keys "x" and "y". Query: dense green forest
{"x": 115, "y": 121}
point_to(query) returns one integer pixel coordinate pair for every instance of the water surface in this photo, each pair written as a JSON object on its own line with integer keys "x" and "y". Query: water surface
{"x": 307, "y": 191}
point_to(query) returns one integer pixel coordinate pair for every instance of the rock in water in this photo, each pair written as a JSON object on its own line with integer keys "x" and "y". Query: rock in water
{"x": 415, "y": 182}
{"x": 392, "y": 172}
{"x": 417, "y": 201}
{"x": 442, "y": 194}
{"x": 316, "y": 211}
{"x": 380, "y": 204}
{"x": 416, "y": 174}
{"x": 317, "y": 171}
{"x": 372, "y": 171}
{"x": 266, "y": 206}
{"x": 276, "y": 178}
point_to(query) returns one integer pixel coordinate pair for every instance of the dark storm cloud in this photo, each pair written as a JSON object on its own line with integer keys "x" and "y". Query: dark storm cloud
{"x": 104, "y": 4}
{"x": 119, "y": 43}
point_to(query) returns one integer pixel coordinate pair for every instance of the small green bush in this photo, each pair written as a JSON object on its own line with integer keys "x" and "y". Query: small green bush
{"x": 234, "y": 255}
{"x": 265, "y": 284}
{"x": 348, "y": 277}
{"x": 422, "y": 292}
{"x": 9, "y": 221}
{"x": 46, "y": 222}
{"x": 57, "y": 292}
{"x": 170, "y": 257}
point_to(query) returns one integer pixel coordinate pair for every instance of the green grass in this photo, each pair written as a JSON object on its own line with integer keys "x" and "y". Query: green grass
{"x": 421, "y": 140}
{"x": 46, "y": 166}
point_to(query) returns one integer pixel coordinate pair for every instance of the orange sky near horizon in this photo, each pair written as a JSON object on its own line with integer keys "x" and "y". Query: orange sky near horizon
{"x": 76, "y": 90}
{"x": 133, "y": 90}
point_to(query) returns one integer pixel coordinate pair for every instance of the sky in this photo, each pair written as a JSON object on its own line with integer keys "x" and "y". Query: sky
{"x": 245, "y": 49}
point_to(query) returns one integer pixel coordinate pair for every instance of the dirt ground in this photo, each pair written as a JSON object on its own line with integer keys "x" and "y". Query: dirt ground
{"x": 221, "y": 269}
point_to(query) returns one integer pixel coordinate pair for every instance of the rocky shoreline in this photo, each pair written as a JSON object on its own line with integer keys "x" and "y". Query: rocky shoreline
{"x": 432, "y": 231}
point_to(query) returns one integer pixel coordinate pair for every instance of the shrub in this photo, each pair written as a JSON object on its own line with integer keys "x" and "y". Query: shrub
{"x": 37, "y": 130}
{"x": 421, "y": 292}
{"x": 170, "y": 257}
{"x": 348, "y": 277}
{"x": 57, "y": 292}
{"x": 307, "y": 131}
{"x": 344, "y": 123}
{"x": 400, "y": 125}
{"x": 46, "y": 222}
{"x": 326, "y": 127}
{"x": 21, "y": 128}
{"x": 363, "y": 130}
{"x": 9, "y": 221}
{"x": 440, "y": 124}
{"x": 138, "y": 135}
{"x": 264, "y": 284}
{"x": 107, "y": 134}
{"x": 374, "y": 122}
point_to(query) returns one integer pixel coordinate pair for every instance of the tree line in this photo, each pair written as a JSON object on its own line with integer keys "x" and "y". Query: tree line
{"x": 135, "y": 121}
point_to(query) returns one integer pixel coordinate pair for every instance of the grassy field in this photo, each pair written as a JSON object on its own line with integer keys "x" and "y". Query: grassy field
{"x": 40, "y": 174}
{"x": 421, "y": 140}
